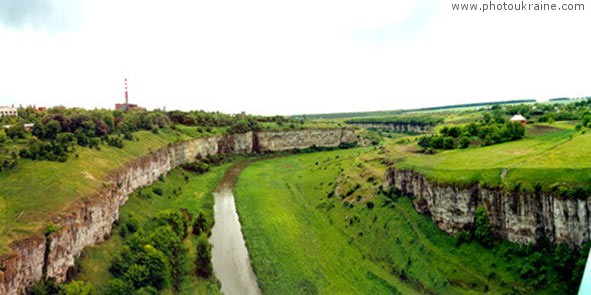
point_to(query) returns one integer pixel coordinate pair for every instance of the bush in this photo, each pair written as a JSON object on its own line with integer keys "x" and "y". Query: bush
{"x": 464, "y": 142}
{"x": 77, "y": 288}
{"x": 200, "y": 224}
{"x": 482, "y": 228}
{"x": 8, "y": 158}
{"x": 198, "y": 167}
{"x": 115, "y": 141}
{"x": 203, "y": 266}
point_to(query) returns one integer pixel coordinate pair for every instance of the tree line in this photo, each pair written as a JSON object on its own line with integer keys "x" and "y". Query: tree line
{"x": 485, "y": 133}
{"x": 59, "y": 131}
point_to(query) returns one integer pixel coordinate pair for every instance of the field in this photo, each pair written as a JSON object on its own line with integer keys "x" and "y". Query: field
{"x": 550, "y": 159}
{"x": 181, "y": 189}
{"x": 304, "y": 240}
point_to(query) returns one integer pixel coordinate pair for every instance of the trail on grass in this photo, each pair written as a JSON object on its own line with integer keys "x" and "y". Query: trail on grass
{"x": 231, "y": 263}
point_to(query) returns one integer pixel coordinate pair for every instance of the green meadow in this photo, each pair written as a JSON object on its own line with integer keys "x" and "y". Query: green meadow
{"x": 304, "y": 240}
{"x": 550, "y": 159}
{"x": 180, "y": 189}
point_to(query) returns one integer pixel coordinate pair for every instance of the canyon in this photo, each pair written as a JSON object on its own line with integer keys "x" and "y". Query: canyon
{"x": 51, "y": 255}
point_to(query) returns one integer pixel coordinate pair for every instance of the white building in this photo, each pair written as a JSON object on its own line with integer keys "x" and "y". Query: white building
{"x": 8, "y": 111}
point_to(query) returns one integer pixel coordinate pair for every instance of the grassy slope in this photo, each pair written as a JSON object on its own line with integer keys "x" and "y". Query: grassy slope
{"x": 300, "y": 240}
{"x": 552, "y": 158}
{"x": 193, "y": 194}
{"x": 35, "y": 190}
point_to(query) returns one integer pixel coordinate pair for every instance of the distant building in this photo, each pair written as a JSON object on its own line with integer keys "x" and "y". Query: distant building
{"x": 520, "y": 119}
{"x": 128, "y": 106}
{"x": 8, "y": 111}
{"x": 28, "y": 126}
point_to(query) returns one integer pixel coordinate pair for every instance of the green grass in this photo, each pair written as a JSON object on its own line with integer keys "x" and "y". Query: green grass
{"x": 34, "y": 191}
{"x": 549, "y": 159}
{"x": 181, "y": 189}
{"x": 300, "y": 240}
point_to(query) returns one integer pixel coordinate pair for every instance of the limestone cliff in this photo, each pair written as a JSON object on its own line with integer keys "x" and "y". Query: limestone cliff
{"x": 90, "y": 220}
{"x": 396, "y": 127}
{"x": 298, "y": 139}
{"x": 517, "y": 216}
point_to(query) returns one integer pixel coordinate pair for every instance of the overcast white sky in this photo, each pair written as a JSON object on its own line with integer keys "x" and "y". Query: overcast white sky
{"x": 287, "y": 57}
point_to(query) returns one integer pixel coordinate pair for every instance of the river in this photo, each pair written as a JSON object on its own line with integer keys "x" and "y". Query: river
{"x": 231, "y": 264}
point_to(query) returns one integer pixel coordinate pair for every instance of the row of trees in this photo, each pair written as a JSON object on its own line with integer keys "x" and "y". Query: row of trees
{"x": 489, "y": 133}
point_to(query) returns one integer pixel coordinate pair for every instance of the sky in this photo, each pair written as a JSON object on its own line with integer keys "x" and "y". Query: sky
{"x": 287, "y": 57}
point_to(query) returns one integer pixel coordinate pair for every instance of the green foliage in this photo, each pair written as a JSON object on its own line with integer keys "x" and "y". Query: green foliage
{"x": 119, "y": 287}
{"x": 8, "y": 156}
{"x": 42, "y": 287}
{"x": 176, "y": 219}
{"x": 115, "y": 141}
{"x": 154, "y": 258}
{"x": 482, "y": 228}
{"x": 195, "y": 197}
{"x": 490, "y": 133}
{"x": 203, "y": 267}
{"x": 198, "y": 167}
{"x": 50, "y": 228}
{"x": 200, "y": 225}
{"x": 77, "y": 288}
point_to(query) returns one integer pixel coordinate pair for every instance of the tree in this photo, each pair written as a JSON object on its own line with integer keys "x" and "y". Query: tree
{"x": 464, "y": 142}
{"x": 203, "y": 266}
{"x": 52, "y": 128}
{"x": 448, "y": 143}
{"x": 482, "y": 228}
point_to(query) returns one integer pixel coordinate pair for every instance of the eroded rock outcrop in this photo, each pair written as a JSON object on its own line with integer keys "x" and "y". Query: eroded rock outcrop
{"x": 299, "y": 139}
{"x": 518, "y": 216}
{"x": 90, "y": 220}
{"x": 395, "y": 127}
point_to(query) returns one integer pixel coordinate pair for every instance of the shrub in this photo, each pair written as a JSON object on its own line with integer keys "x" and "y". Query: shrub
{"x": 77, "y": 288}
{"x": 198, "y": 167}
{"x": 203, "y": 266}
{"x": 200, "y": 224}
{"x": 482, "y": 228}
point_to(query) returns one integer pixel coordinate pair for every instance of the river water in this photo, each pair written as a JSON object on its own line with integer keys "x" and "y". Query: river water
{"x": 231, "y": 264}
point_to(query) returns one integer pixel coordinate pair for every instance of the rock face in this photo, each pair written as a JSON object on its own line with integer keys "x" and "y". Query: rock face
{"x": 90, "y": 220}
{"x": 299, "y": 139}
{"x": 403, "y": 128}
{"x": 517, "y": 216}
